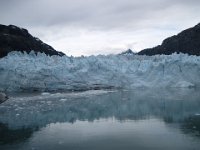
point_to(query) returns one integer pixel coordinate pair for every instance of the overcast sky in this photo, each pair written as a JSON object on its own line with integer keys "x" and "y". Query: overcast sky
{"x": 85, "y": 27}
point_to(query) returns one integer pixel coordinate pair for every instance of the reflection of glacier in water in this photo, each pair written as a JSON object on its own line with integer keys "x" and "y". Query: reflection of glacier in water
{"x": 24, "y": 115}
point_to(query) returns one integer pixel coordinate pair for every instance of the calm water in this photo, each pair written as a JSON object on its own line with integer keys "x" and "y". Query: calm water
{"x": 99, "y": 120}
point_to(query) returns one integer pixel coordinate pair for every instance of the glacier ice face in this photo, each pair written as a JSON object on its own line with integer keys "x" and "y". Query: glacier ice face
{"x": 20, "y": 72}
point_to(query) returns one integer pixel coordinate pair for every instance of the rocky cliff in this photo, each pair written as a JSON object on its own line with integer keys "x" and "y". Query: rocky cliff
{"x": 13, "y": 38}
{"x": 188, "y": 42}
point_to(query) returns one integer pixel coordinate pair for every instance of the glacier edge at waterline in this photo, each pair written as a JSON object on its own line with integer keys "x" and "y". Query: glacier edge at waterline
{"x": 31, "y": 72}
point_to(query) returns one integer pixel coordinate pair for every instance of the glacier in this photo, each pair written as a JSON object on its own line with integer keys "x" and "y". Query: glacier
{"x": 39, "y": 72}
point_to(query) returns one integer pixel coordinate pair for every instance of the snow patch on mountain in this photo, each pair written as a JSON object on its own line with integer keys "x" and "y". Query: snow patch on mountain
{"x": 19, "y": 72}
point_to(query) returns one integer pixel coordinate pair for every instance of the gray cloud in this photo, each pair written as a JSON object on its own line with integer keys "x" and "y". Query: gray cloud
{"x": 46, "y": 18}
{"x": 91, "y": 13}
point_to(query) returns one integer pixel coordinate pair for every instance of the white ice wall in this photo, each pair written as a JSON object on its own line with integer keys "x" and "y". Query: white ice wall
{"x": 30, "y": 72}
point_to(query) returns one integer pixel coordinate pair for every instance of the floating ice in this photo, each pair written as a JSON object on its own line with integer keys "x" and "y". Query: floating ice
{"x": 175, "y": 104}
{"x": 45, "y": 93}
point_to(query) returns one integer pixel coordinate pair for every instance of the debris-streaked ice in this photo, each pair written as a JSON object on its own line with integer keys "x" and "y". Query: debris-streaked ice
{"x": 20, "y": 72}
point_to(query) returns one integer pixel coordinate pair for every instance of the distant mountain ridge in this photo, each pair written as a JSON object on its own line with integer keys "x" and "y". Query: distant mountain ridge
{"x": 13, "y": 38}
{"x": 188, "y": 42}
{"x": 127, "y": 52}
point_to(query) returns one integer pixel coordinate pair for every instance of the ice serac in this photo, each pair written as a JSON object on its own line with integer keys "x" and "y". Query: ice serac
{"x": 19, "y": 72}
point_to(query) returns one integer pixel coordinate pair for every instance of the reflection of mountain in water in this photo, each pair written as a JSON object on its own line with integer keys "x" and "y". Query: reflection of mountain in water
{"x": 168, "y": 105}
{"x": 11, "y": 136}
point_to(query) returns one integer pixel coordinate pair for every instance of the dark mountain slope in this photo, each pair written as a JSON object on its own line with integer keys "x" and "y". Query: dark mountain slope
{"x": 13, "y": 38}
{"x": 188, "y": 41}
